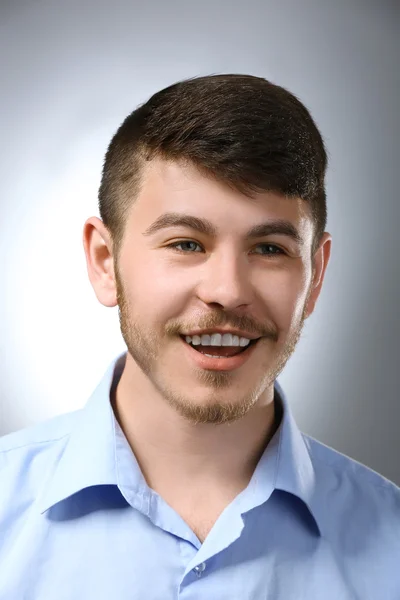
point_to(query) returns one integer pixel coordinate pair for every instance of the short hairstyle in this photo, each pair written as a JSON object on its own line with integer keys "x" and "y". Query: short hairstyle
{"x": 242, "y": 130}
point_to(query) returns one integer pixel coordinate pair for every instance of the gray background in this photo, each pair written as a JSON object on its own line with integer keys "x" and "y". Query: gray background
{"x": 71, "y": 71}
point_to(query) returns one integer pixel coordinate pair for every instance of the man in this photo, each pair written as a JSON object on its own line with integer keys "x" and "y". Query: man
{"x": 185, "y": 475}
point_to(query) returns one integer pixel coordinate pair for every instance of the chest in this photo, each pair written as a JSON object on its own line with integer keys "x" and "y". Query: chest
{"x": 119, "y": 553}
{"x": 201, "y": 524}
{"x": 200, "y": 517}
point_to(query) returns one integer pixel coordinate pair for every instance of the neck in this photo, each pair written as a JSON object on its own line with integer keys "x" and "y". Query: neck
{"x": 174, "y": 453}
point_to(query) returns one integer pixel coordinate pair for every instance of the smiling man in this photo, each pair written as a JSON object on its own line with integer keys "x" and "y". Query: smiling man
{"x": 185, "y": 475}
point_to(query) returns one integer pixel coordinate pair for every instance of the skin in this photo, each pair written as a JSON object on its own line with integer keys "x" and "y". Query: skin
{"x": 199, "y": 434}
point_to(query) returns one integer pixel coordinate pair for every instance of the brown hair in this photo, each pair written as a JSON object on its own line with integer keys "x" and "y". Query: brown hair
{"x": 242, "y": 130}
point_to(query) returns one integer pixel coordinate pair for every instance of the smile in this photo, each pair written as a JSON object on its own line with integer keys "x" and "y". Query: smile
{"x": 219, "y": 358}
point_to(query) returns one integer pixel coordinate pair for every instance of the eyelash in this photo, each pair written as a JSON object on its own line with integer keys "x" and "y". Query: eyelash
{"x": 174, "y": 245}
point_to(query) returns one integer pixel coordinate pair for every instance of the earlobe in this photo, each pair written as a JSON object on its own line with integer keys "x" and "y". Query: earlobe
{"x": 99, "y": 261}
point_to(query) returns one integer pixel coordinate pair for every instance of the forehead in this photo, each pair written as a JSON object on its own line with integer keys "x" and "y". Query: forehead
{"x": 180, "y": 187}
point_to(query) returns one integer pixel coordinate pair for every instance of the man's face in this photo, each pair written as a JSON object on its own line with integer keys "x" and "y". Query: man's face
{"x": 226, "y": 281}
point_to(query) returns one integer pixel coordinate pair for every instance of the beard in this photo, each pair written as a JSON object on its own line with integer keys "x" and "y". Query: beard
{"x": 144, "y": 346}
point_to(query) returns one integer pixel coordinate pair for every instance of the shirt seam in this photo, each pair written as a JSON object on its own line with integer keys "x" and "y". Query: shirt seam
{"x": 6, "y": 450}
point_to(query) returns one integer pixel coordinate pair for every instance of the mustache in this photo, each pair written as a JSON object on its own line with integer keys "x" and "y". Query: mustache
{"x": 227, "y": 321}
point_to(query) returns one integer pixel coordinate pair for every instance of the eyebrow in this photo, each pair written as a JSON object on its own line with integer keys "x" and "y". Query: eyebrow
{"x": 204, "y": 226}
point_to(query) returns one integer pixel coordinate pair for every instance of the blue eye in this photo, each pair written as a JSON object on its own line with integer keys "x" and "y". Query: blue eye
{"x": 280, "y": 251}
{"x": 183, "y": 243}
{"x": 190, "y": 250}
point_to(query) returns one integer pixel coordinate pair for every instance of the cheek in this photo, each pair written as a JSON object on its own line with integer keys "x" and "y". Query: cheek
{"x": 165, "y": 285}
{"x": 155, "y": 292}
{"x": 285, "y": 299}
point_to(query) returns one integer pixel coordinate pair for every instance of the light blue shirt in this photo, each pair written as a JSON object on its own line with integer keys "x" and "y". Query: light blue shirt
{"x": 78, "y": 521}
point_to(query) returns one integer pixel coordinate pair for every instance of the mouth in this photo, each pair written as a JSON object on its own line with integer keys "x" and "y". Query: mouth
{"x": 220, "y": 351}
{"x": 219, "y": 358}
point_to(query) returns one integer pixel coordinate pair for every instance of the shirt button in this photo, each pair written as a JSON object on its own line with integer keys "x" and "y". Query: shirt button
{"x": 199, "y": 569}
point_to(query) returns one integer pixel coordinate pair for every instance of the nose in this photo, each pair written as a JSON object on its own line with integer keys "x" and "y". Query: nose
{"x": 226, "y": 281}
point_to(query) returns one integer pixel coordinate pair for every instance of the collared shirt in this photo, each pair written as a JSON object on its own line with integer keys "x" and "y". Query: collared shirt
{"x": 78, "y": 520}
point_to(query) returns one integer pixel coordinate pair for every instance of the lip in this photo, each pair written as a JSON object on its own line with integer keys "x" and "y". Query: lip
{"x": 228, "y": 363}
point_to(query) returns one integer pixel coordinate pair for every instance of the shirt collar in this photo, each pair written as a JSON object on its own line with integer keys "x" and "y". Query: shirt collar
{"x": 88, "y": 458}
{"x": 89, "y": 455}
{"x": 295, "y": 472}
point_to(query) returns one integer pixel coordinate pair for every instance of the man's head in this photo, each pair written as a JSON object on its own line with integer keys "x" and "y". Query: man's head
{"x": 229, "y": 166}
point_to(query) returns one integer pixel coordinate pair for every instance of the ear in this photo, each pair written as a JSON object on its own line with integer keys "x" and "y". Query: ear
{"x": 99, "y": 260}
{"x": 321, "y": 259}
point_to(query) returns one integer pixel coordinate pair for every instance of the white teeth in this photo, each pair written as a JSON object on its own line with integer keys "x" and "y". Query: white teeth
{"x": 217, "y": 339}
{"x": 227, "y": 339}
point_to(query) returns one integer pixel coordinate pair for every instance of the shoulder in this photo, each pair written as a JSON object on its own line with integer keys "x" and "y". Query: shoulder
{"x": 351, "y": 490}
{"x": 337, "y": 462}
{"x": 36, "y": 436}
{"x": 27, "y": 456}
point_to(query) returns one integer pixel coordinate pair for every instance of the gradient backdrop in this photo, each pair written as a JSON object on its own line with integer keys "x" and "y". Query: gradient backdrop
{"x": 71, "y": 71}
